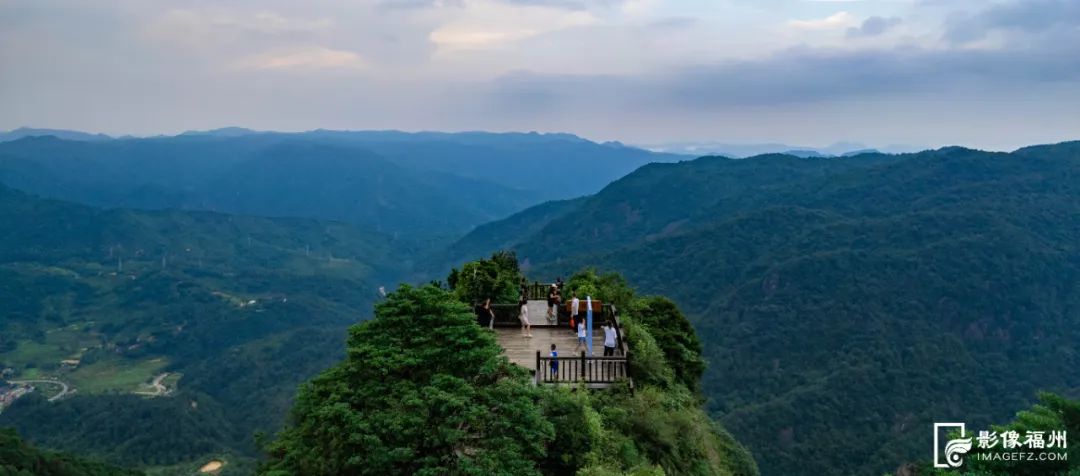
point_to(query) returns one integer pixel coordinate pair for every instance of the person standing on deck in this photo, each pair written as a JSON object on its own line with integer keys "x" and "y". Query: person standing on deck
{"x": 554, "y": 361}
{"x": 574, "y": 304}
{"x": 526, "y": 328}
{"x": 552, "y": 301}
{"x": 481, "y": 314}
{"x": 582, "y": 337}
{"x": 609, "y": 339}
{"x": 484, "y": 313}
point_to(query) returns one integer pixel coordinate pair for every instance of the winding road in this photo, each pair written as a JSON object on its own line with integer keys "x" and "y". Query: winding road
{"x": 64, "y": 388}
{"x": 159, "y": 389}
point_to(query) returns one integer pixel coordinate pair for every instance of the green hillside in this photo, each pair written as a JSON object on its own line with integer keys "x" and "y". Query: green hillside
{"x": 234, "y": 310}
{"x": 856, "y": 299}
{"x": 498, "y": 235}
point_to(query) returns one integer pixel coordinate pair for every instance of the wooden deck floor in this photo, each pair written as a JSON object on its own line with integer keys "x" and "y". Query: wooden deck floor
{"x": 522, "y": 351}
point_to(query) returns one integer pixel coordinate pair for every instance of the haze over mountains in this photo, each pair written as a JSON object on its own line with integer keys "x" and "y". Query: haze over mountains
{"x": 838, "y": 300}
{"x": 423, "y": 184}
{"x": 735, "y": 150}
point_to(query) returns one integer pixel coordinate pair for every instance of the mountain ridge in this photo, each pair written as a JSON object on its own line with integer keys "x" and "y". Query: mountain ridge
{"x": 851, "y": 286}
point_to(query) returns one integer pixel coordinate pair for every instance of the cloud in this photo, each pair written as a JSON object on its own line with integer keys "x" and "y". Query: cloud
{"x": 1027, "y": 16}
{"x": 873, "y": 26}
{"x": 313, "y": 58}
{"x": 491, "y": 24}
{"x": 568, "y": 4}
{"x": 832, "y": 22}
{"x": 807, "y": 76}
{"x": 274, "y": 23}
{"x": 620, "y": 69}
{"x": 418, "y": 4}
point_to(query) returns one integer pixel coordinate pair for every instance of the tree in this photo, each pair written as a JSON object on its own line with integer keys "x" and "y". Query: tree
{"x": 611, "y": 288}
{"x": 496, "y": 278}
{"x": 423, "y": 390}
{"x": 675, "y": 335}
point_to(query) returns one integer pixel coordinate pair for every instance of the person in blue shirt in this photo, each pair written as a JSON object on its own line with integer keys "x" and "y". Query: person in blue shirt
{"x": 554, "y": 361}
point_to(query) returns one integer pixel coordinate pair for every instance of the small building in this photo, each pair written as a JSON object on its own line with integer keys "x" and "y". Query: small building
{"x": 70, "y": 363}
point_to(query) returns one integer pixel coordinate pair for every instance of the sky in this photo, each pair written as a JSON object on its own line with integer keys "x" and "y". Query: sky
{"x": 922, "y": 73}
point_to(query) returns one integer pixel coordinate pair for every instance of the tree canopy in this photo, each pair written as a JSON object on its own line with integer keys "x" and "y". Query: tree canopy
{"x": 423, "y": 390}
{"x": 17, "y": 458}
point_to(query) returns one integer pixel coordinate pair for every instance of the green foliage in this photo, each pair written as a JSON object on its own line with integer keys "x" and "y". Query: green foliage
{"x": 496, "y": 278}
{"x": 126, "y": 429}
{"x": 610, "y": 288}
{"x": 422, "y": 391}
{"x": 651, "y": 430}
{"x": 674, "y": 334}
{"x": 17, "y": 458}
{"x": 648, "y": 364}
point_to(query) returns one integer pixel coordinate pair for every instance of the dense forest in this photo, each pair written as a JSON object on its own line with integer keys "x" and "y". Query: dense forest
{"x": 237, "y": 310}
{"x": 424, "y": 390}
{"x": 17, "y": 458}
{"x": 852, "y": 299}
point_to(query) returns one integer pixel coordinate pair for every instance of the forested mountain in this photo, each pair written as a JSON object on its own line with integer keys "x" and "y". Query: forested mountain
{"x": 498, "y": 235}
{"x": 424, "y": 390}
{"x": 422, "y": 186}
{"x": 845, "y": 304}
{"x": 257, "y": 175}
{"x": 236, "y": 310}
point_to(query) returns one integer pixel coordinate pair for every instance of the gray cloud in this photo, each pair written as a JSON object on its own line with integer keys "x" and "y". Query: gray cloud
{"x": 805, "y": 75}
{"x": 138, "y": 68}
{"x": 873, "y": 26}
{"x": 1028, "y": 16}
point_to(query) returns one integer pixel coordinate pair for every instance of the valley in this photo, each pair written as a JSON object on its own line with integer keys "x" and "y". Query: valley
{"x": 848, "y": 285}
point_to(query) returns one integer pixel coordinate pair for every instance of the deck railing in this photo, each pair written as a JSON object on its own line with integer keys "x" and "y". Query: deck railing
{"x": 590, "y": 370}
{"x": 584, "y": 368}
{"x": 537, "y": 290}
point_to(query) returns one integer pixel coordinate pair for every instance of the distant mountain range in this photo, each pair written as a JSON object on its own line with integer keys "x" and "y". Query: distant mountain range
{"x": 22, "y": 132}
{"x": 419, "y": 185}
{"x": 737, "y": 151}
{"x": 844, "y": 300}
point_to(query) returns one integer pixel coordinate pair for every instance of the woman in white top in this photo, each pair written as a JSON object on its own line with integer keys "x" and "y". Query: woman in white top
{"x": 609, "y": 339}
{"x": 526, "y": 328}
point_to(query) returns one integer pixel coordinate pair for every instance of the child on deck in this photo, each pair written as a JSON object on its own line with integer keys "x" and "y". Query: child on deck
{"x": 554, "y": 361}
{"x": 581, "y": 336}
